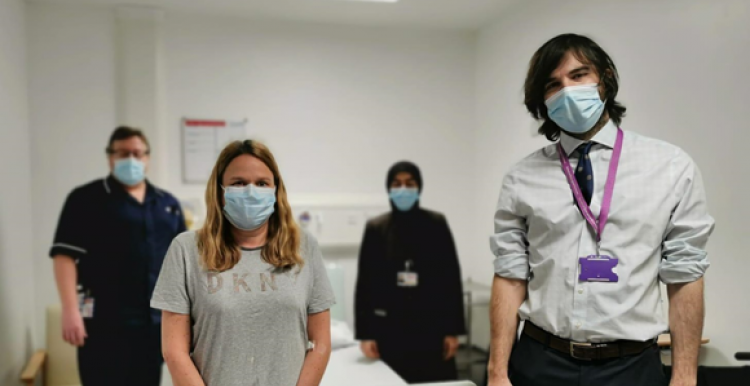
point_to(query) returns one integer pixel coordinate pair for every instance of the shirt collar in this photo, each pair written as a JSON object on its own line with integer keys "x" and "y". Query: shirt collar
{"x": 606, "y": 136}
{"x": 111, "y": 185}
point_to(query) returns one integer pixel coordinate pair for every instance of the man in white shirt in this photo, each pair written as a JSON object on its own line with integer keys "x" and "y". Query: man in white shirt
{"x": 585, "y": 229}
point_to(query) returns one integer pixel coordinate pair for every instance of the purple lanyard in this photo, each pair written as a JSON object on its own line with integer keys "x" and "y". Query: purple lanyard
{"x": 596, "y": 224}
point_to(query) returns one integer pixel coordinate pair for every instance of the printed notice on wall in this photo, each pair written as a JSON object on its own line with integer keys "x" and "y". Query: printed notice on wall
{"x": 202, "y": 142}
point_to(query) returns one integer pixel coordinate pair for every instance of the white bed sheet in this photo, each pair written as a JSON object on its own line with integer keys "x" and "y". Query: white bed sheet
{"x": 349, "y": 367}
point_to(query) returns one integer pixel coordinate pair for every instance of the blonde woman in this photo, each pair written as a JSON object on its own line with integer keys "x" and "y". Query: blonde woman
{"x": 245, "y": 299}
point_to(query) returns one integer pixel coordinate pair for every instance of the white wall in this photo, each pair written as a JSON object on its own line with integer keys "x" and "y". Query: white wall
{"x": 16, "y": 272}
{"x": 337, "y": 105}
{"x": 72, "y": 102}
{"x": 682, "y": 66}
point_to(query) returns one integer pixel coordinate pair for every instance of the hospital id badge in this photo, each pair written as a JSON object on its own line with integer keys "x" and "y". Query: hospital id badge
{"x": 598, "y": 268}
{"x": 408, "y": 279}
{"x": 87, "y": 307}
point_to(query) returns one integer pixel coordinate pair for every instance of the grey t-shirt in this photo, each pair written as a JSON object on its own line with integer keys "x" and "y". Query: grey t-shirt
{"x": 249, "y": 323}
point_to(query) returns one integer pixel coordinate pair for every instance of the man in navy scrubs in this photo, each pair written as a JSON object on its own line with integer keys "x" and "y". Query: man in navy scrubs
{"x": 108, "y": 250}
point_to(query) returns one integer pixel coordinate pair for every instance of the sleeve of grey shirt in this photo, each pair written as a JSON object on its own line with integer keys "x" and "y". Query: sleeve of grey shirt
{"x": 171, "y": 292}
{"x": 684, "y": 257}
{"x": 508, "y": 243}
{"x": 321, "y": 295}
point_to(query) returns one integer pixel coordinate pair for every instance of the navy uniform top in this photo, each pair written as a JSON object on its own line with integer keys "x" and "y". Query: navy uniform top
{"x": 119, "y": 245}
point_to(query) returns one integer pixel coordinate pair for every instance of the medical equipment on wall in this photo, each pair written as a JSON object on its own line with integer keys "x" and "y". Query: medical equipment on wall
{"x": 338, "y": 226}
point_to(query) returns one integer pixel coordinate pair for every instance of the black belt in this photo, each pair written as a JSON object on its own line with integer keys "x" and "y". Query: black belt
{"x": 586, "y": 351}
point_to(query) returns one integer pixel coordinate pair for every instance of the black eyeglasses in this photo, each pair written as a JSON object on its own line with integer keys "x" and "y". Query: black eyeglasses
{"x": 137, "y": 154}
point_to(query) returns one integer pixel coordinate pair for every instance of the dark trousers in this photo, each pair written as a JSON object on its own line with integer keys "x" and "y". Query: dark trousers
{"x": 534, "y": 364}
{"x": 417, "y": 362}
{"x": 120, "y": 356}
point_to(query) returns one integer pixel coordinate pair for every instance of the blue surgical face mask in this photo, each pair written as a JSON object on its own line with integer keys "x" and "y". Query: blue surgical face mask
{"x": 129, "y": 171}
{"x": 404, "y": 198}
{"x": 576, "y": 109}
{"x": 248, "y": 207}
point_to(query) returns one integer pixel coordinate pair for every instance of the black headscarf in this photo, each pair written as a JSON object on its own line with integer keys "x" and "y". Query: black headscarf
{"x": 401, "y": 167}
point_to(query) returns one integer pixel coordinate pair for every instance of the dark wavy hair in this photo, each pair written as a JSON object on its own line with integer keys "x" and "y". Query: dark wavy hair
{"x": 548, "y": 58}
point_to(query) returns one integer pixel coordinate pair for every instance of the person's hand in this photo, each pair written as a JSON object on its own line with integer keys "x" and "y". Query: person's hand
{"x": 450, "y": 346}
{"x": 73, "y": 330}
{"x": 370, "y": 349}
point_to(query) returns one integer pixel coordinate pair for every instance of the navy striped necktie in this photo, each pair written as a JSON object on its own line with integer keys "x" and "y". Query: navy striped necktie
{"x": 584, "y": 173}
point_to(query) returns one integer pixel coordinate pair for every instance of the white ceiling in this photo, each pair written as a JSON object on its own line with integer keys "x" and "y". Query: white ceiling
{"x": 449, "y": 14}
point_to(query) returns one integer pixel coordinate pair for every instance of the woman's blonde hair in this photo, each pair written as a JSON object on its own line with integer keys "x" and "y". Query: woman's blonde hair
{"x": 219, "y": 251}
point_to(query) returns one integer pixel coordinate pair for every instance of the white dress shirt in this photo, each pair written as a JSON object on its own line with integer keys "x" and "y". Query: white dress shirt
{"x": 658, "y": 228}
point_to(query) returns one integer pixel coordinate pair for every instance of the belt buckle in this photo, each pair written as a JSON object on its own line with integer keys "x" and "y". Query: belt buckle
{"x": 574, "y": 345}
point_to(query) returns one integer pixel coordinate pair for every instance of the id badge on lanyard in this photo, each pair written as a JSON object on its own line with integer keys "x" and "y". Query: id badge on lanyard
{"x": 407, "y": 278}
{"x": 596, "y": 267}
{"x": 86, "y": 304}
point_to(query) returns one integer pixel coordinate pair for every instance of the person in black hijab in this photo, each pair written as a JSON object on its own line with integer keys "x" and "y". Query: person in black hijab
{"x": 409, "y": 301}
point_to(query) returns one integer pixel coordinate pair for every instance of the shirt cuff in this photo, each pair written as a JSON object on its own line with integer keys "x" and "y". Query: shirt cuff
{"x": 512, "y": 266}
{"x": 683, "y": 270}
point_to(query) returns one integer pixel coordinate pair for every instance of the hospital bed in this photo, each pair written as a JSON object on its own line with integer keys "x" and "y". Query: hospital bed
{"x": 349, "y": 367}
